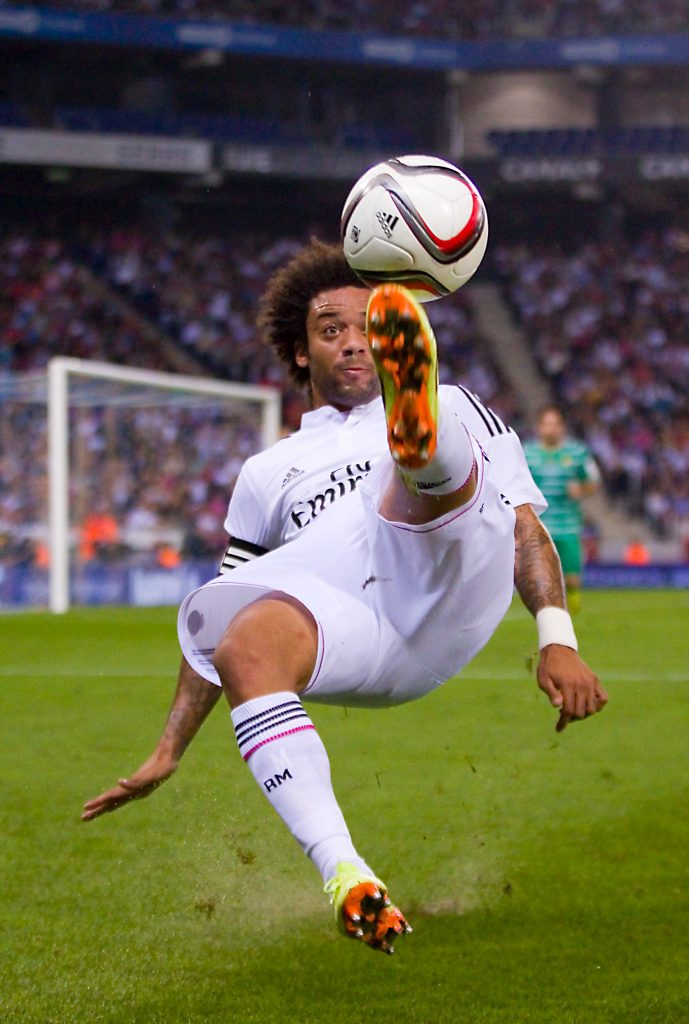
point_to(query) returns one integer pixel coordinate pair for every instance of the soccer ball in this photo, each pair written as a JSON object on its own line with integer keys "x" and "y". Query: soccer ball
{"x": 416, "y": 220}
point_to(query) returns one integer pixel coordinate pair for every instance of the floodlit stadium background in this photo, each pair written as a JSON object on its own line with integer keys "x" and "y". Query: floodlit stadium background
{"x": 159, "y": 159}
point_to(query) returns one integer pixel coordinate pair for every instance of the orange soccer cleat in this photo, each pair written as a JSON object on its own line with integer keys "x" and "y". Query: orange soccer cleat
{"x": 403, "y": 348}
{"x": 363, "y": 908}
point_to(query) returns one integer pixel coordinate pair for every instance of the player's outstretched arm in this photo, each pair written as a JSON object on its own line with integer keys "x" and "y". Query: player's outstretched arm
{"x": 194, "y": 699}
{"x": 568, "y": 682}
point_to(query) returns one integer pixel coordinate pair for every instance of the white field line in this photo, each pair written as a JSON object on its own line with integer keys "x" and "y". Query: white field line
{"x": 468, "y": 675}
{"x": 66, "y": 673}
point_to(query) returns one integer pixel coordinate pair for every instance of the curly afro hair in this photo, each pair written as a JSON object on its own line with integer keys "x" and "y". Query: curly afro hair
{"x": 285, "y": 303}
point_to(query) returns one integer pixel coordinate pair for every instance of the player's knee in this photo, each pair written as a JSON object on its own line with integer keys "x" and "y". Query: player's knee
{"x": 241, "y": 663}
{"x": 233, "y": 662}
{"x": 270, "y": 645}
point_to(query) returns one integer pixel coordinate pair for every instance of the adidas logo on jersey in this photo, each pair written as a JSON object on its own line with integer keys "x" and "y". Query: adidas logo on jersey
{"x": 292, "y": 475}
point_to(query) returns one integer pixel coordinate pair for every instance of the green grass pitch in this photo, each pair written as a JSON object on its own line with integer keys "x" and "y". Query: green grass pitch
{"x": 546, "y": 876}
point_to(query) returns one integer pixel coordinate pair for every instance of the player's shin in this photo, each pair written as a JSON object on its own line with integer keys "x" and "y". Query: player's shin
{"x": 453, "y": 461}
{"x": 278, "y": 741}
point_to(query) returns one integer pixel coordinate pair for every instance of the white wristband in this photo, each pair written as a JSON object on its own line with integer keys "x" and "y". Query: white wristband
{"x": 555, "y": 627}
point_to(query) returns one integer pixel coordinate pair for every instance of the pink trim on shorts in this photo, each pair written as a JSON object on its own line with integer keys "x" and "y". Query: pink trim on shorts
{"x": 321, "y": 657}
{"x": 474, "y": 466}
{"x": 288, "y": 732}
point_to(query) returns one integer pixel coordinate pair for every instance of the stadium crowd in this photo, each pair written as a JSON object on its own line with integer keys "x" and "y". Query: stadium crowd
{"x": 482, "y": 19}
{"x": 169, "y": 471}
{"x": 49, "y": 306}
{"x": 607, "y": 321}
{"x": 608, "y": 324}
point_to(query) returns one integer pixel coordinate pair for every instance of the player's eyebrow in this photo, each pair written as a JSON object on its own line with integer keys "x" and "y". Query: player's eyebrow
{"x": 327, "y": 311}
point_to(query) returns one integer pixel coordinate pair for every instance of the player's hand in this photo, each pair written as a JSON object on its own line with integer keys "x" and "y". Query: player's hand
{"x": 569, "y": 684}
{"x": 148, "y": 777}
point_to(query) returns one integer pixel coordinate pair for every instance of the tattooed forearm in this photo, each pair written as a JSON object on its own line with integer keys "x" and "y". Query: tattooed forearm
{"x": 537, "y": 570}
{"x": 194, "y": 699}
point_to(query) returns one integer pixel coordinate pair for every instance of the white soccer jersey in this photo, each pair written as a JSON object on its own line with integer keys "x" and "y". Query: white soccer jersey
{"x": 399, "y": 608}
{"x": 282, "y": 490}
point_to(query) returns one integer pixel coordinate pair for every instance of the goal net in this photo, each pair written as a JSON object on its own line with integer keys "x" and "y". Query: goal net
{"x": 114, "y": 482}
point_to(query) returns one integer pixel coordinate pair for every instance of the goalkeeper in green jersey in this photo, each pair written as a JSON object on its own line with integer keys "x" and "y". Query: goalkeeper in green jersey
{"x": 565, "y": 471}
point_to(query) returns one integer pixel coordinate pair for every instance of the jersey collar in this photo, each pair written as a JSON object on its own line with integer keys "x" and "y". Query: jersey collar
{"x": 328, "y": 414}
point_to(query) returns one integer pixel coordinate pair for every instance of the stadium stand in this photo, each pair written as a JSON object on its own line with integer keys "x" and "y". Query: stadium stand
{"x": 483, "y": 19}
{"x": 49, "y": 306}
{"x": 608, "y": 322}
{"x": 199, "y": 292}
{"x": 216, "y": 127}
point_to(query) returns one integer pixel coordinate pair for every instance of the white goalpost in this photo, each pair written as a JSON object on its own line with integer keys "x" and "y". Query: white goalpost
{"x": 255, "y": 411}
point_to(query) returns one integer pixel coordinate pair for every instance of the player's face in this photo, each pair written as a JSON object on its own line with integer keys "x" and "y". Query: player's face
{"x": 338, "y": 357}
{"x": 551, "y": 429}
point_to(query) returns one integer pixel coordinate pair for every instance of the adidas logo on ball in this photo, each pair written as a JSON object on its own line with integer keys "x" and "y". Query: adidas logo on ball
{"x": 438, "y": 218}
{"x": 387, "y": 221}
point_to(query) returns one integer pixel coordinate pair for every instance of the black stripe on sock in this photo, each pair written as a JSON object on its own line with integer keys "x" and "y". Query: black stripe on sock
{"x": 259, "y": 719}
{"x": 269, "y": 728}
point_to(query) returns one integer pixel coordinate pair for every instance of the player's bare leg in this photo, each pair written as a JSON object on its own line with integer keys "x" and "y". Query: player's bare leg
{"x": 265, "y": 659}
{"x": 435, "y": 469}
{"x": 269, "y": 647}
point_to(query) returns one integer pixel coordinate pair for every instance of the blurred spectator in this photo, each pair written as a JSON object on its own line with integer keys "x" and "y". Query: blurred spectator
{"x": 166, "y": 556}
{"x": 99, "y": 536}
{"x": 636, "y": 553}
{"x": 41, "y": 555}
{"x": 15, "y": 550}
{"x": 590, "y": 541}
{"x": 201, "y": 541}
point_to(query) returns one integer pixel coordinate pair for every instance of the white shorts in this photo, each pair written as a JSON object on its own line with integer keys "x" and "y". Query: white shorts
{"x": 399, "y": 608}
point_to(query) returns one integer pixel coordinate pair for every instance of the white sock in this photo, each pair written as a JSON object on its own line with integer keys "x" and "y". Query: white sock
{"x": 278, "y": 741}
{"x": 453, "y": 459}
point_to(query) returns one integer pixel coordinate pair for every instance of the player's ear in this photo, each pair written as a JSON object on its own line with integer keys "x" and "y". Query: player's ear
{"x": 301, "y": 356}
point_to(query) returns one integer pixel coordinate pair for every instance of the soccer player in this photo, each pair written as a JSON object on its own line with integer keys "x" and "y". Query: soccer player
{"x": 373, "y": 553}
{"x": 566, "y": 472}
